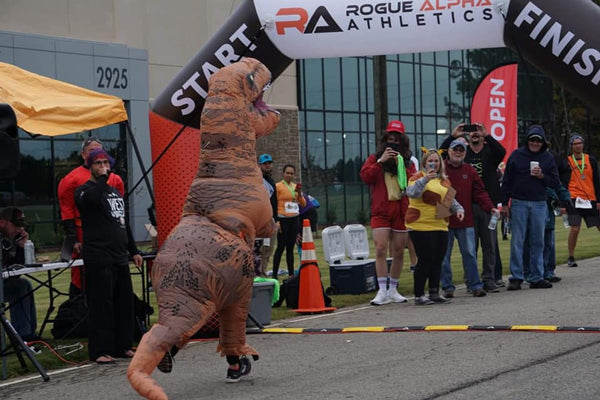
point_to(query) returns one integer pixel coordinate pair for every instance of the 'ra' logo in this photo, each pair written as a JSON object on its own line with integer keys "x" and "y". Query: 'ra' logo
{"x": 304, "y": 24}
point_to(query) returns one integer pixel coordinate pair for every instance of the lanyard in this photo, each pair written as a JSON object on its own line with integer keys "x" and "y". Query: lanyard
{"x": 292, "y": 191}
{"x": 582, "y": 163}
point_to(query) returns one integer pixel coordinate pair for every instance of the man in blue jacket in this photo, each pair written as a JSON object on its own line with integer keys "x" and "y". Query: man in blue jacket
{"x": 529, "y": 171}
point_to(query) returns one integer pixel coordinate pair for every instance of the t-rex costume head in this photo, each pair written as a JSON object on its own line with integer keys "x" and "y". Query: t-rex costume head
{"x": 228, "y": 187}
{"x": 205, "y": 265}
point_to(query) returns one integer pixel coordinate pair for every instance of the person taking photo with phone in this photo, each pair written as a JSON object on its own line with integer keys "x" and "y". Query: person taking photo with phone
{"x": 387, "y": 172}
{"x": 432, "y": 201}
{"x": 484, "y": 153}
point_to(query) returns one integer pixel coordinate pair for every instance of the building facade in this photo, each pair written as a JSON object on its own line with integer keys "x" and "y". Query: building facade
{"x": 327, "y": 105}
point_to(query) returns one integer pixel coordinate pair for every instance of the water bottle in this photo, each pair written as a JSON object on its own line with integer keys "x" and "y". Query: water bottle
{"x": 493, "y": 222}
{"x": 29, "y": 249}
{"x": 565, "y": 219}
{"x": 494, "y": 218}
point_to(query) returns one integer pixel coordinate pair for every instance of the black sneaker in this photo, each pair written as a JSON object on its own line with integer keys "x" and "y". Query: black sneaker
{"x": 436, "y": 298}
{"x": 479, "y": 293}
{"x": 449, "y": 294}
{"x": 166, "y": 363}
{"x": 571, "y": 262}
{"x": 499, "y": 283}
{"x": 554, "y": 279}
{"x": 514, "y": 285}
{"x": 234, "y": 375}
{"x": 541, "y": 284}
{"x": 423, "y": 301}
{"x": 490, "y": 287}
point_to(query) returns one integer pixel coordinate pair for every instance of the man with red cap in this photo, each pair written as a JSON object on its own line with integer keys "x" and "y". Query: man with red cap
{"x": 387, "y": 172}
{"x": 68, "y": 210}
{"x": 107, "y": 246}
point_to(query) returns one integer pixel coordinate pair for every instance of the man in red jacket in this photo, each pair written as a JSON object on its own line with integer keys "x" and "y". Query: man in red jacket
{"x": 469, "y": 189}
{"x": 69, "y": 212}
{"x": 386, "y": 173}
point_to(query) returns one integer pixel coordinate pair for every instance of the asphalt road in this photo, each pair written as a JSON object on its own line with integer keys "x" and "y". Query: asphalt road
{"x": 395, "y": 365}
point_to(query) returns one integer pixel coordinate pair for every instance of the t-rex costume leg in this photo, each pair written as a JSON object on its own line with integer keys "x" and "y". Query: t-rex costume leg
{"x": 205, "y": 265}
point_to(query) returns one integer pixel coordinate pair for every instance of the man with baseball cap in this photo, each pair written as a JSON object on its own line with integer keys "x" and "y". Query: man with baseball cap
{"x": 398, "y": 126}
{"x": 584, "y": 186}
{"x": 69, "y": 213}
{"x": 484, "y": 153}
{"x": 265, "y": 163}
{"x": 18, "y": 291}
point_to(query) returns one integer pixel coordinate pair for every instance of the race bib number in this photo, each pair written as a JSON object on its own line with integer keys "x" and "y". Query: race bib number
{"x": 582, "y": 203}
{"x": 291, "y": 208}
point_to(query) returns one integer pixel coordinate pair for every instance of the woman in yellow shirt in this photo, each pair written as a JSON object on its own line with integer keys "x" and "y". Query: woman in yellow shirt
{"x": 431, "y": 201}
{"x": 289, "y": 200}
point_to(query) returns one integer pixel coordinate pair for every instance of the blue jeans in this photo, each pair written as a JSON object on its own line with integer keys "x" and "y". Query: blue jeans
{"x": 466, "y": 244}
{"x": 528, "y": 220}
{"x": 549, "y": 255}
{"x": 23, "y": 317}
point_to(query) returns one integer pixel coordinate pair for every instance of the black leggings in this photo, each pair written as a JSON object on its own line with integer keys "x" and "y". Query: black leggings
{"x": 286, "y": 239}
{"x": 430, "y": 247}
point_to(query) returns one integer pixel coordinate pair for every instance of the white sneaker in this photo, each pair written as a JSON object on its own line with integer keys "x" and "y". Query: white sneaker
{"x": 381, "y": 298}
{"x": 396, "y": 297}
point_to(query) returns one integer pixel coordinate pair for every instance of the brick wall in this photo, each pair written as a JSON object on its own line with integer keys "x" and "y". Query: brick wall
{"x": 283, "y": 144}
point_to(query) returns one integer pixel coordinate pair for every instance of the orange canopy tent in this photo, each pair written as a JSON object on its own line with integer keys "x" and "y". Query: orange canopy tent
{"x": 49, "y": 107}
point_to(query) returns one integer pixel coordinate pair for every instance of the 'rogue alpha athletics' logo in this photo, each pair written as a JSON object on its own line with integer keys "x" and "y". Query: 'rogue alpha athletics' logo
{"x": 304, "y": 24}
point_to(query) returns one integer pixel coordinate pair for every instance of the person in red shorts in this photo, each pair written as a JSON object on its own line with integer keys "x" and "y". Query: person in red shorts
{"x": 387, "y": 172}
{"x": 69, "y": 212}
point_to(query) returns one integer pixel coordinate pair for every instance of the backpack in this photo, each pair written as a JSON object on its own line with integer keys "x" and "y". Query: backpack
{"x": 71, "y": 320}
{"x": 289, "y": 292}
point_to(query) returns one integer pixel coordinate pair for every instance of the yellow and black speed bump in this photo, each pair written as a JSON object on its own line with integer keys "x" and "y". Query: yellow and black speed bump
{"x": 431, "y": 328}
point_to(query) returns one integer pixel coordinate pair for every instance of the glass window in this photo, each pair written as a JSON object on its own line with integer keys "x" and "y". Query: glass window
{"x": 315, "y": 150}
{"x": 353, "y": 157}
{"x": 442, "y": 87}
{"x": 333, "y": 121}
{"x": 407, "y": 88}
{"x": 351, "y": 122}
{"x": 426, "y": 58}
{"x": 313, "y": 86}
{"x": 441, "y": 58}
{"x": 331, "y": 81}
{"x": 427, "y": 89}
{"x": 351, "y": 84}
{"x": 314, "y": 121}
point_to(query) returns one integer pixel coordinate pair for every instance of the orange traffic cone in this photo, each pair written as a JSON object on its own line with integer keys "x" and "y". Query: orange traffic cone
{"x": 310, "y": 293}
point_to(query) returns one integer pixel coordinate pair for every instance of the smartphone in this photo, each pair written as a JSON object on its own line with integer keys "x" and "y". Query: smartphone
{"x": 431, "y": 166}
{"x": 470, "y": 128}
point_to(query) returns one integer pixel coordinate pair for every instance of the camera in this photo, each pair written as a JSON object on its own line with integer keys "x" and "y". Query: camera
{"x": 470, "y": 128}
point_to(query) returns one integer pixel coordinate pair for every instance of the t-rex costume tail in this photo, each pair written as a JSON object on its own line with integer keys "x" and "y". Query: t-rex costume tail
{"x": 205, "y": 265}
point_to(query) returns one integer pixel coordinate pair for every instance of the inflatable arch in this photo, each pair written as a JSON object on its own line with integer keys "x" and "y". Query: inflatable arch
{"x": 557, "y": 37}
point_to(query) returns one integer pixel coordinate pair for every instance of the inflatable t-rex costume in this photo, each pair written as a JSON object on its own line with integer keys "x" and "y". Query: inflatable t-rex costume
{"x": 205, "y": 265}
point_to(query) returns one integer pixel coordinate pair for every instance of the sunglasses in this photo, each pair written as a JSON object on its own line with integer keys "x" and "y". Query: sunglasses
{"x": 536, "y": 140}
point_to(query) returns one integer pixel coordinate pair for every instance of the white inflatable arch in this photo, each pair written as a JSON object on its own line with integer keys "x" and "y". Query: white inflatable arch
{"x": 559, "y": 37}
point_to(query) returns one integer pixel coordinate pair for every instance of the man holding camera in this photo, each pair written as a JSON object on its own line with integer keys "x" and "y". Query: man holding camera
{"x": 17, "y": 290}
{"x": 484, "y": 153}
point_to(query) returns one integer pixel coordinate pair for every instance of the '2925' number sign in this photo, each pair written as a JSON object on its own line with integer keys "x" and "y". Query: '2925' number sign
{"x": 111, "y": 78}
